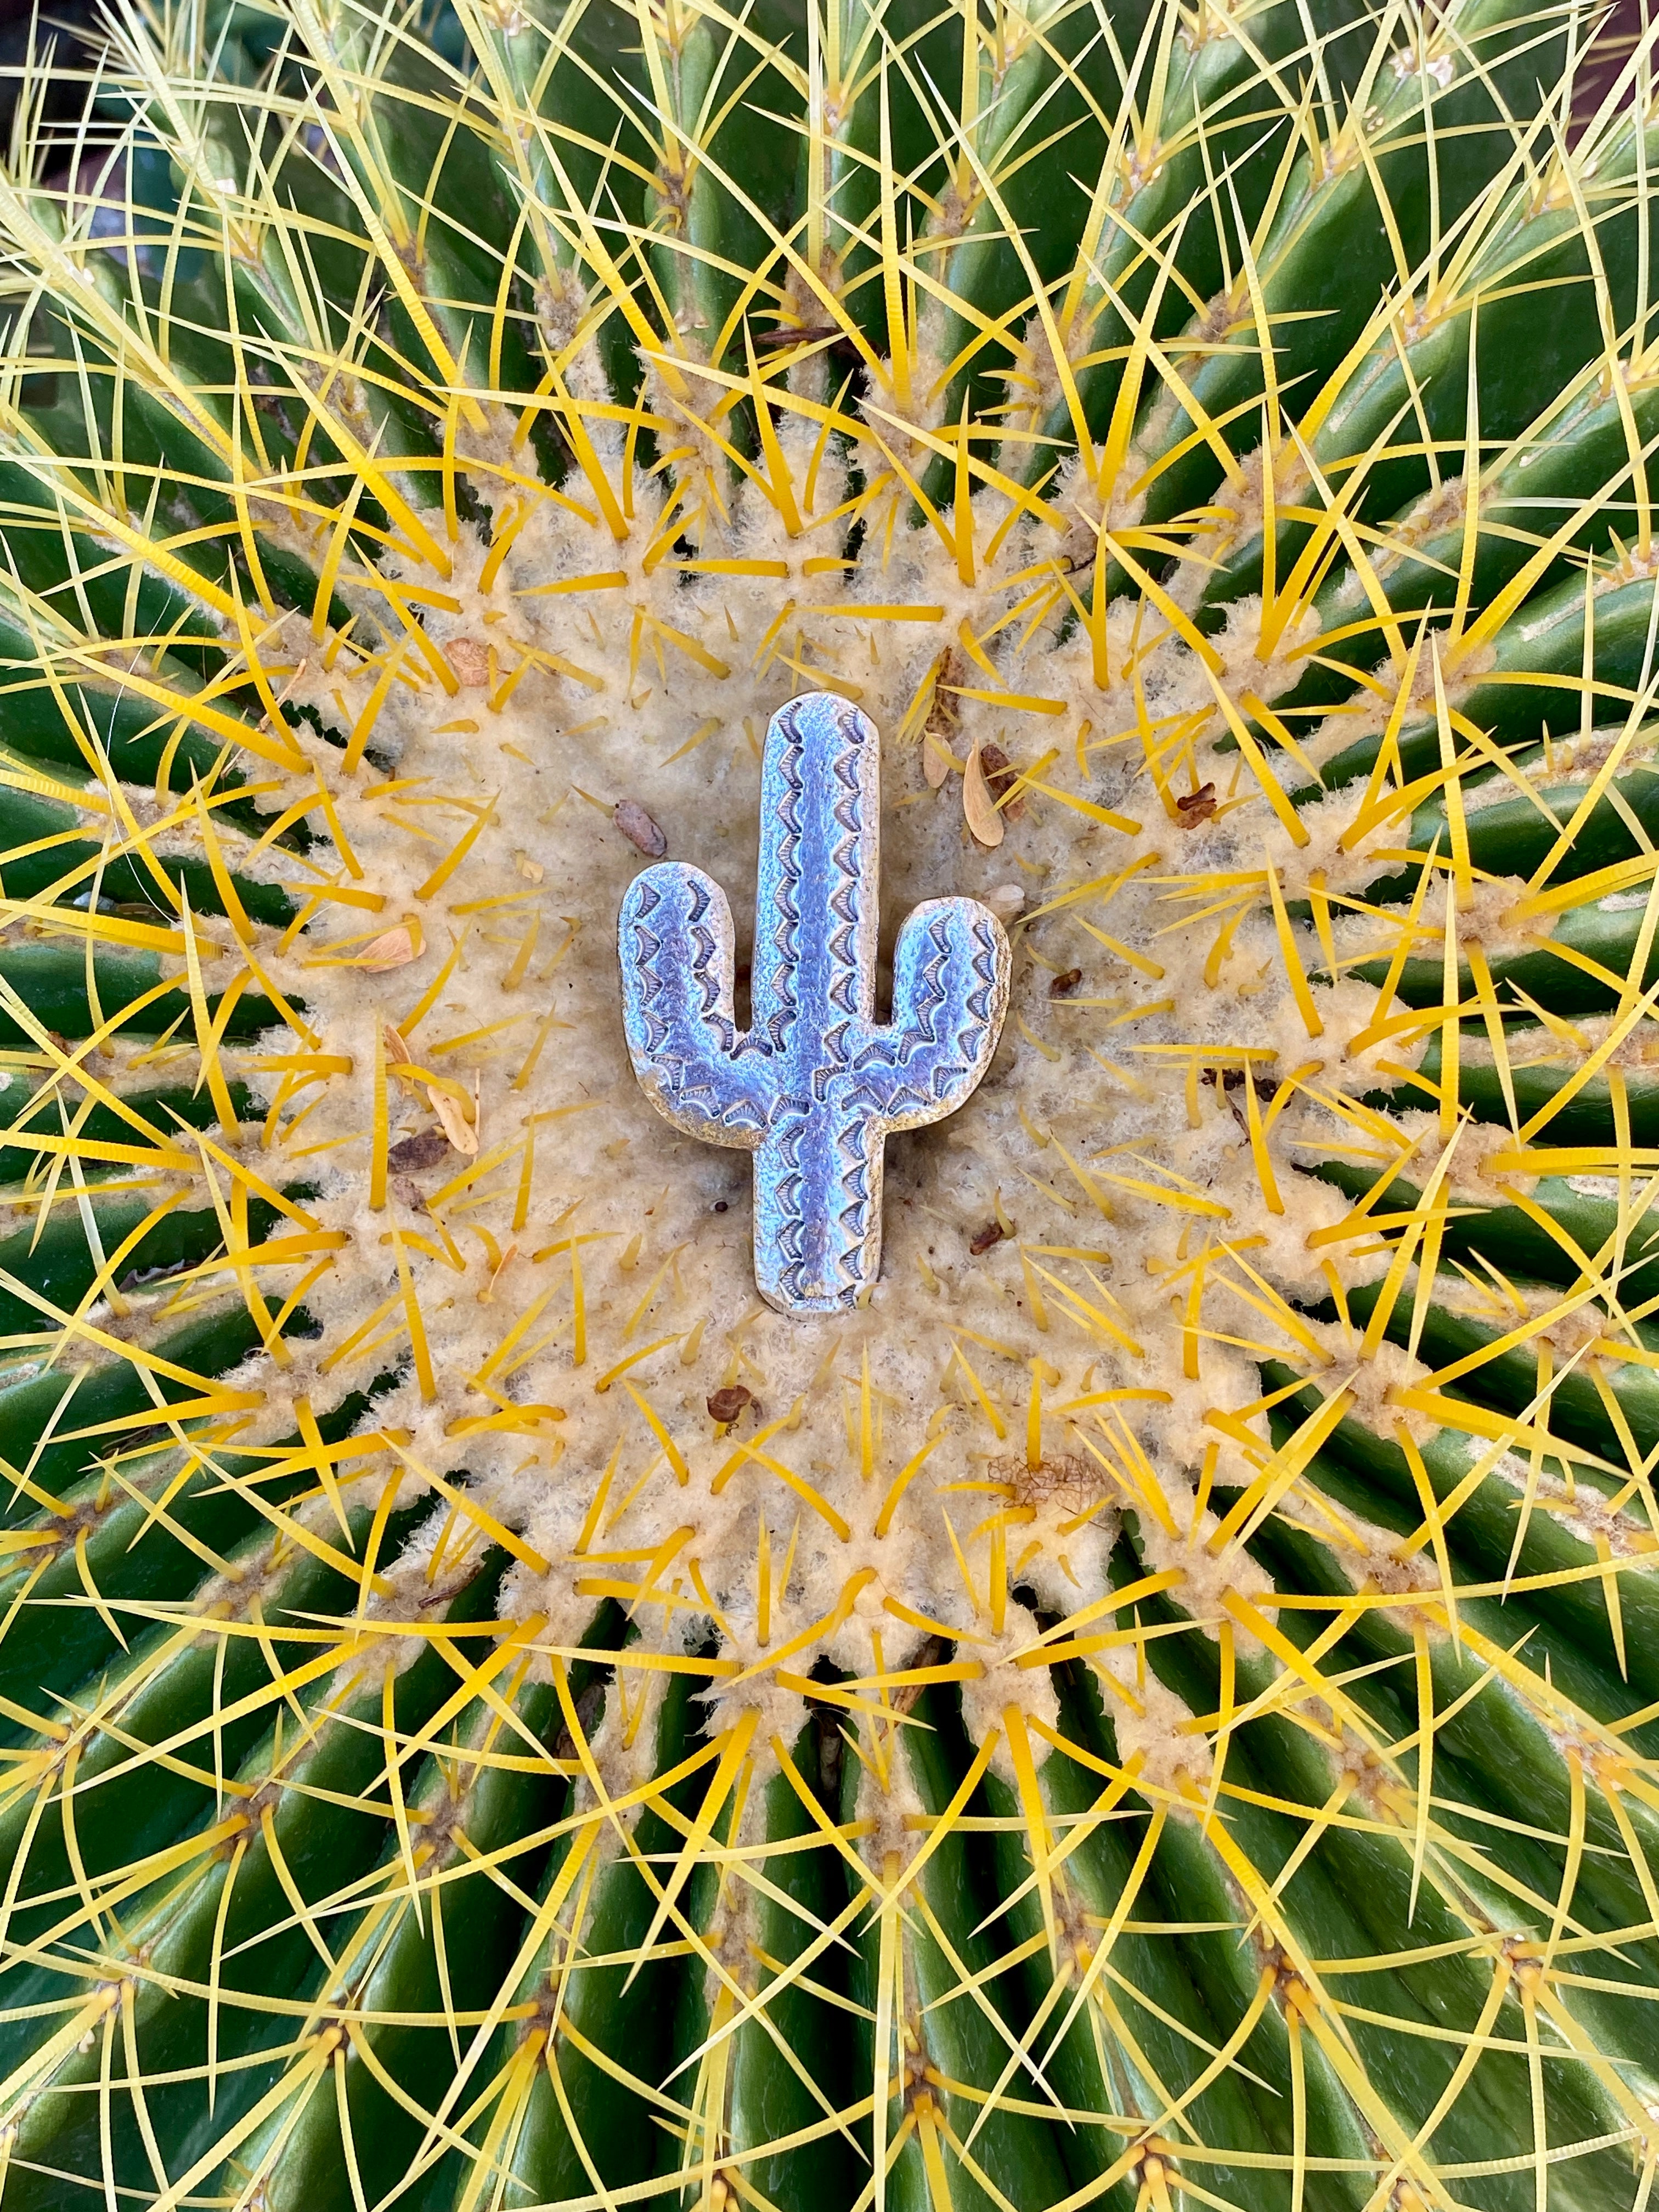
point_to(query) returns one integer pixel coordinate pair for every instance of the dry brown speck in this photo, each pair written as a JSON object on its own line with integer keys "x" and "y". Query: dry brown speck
{"x": 726, "y": 1404}
{"x": 993, "y": 1233}
{"x": 1063, "y": 985}
{"x": 1193, "y": 807}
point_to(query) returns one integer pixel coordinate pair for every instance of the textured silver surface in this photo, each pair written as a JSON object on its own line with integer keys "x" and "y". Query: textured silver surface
{"x": 814, "y": 1085}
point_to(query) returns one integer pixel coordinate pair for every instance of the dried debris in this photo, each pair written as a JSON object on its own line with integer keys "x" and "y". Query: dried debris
{"x": 1063, "y": 1479}
{"x": 977, "y": 803}
{"x": 1000, "y": 777}
{"x": 393, "y": 948}
{"x": 931, "y": 1655}
{"x": 470, "y": 662}
{"x": 945, "y": 707}
{"x": 426, "y": 1148}
{"x": 462, "y": 1134}
{"x": 637, "y": 826}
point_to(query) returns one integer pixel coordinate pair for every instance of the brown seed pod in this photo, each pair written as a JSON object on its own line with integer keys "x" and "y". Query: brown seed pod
{"x": 1193, "y": 807}
{"x": 1063, "y": 985}
{"x": 726, "y": 1403}
{"x": 993, "y": 1233}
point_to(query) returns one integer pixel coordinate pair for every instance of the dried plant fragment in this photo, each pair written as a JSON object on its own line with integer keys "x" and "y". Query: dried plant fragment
{"x": 977, "y": 805}
{"x": 1000, "y": 777}
{"x": 393, "y": 948}
{"x": 470, "y": 660}
{"x": 462, "y": 1134}
{"x": 426, "y": 1148}
{"x": 637, "y": 826}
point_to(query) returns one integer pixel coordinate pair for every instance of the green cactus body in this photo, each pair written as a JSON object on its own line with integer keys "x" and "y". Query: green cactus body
{"x": 1147, "y": 1698}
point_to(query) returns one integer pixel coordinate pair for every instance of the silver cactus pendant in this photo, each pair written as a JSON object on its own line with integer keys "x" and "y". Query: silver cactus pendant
{"x": 814, "y": 1087}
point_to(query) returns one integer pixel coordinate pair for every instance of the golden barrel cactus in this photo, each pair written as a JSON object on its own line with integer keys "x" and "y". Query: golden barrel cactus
{"x": 1157, "y": 1705}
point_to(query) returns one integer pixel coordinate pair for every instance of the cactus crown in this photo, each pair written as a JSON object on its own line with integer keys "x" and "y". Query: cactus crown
{"x": 1156, "y": 1702}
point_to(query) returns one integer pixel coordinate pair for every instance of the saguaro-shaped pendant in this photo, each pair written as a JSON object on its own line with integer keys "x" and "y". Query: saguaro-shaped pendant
{"x": 814, "y": 1085}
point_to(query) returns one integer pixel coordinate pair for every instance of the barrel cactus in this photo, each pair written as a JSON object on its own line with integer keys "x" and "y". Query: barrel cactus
{"x": 1150, "y": 1699}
